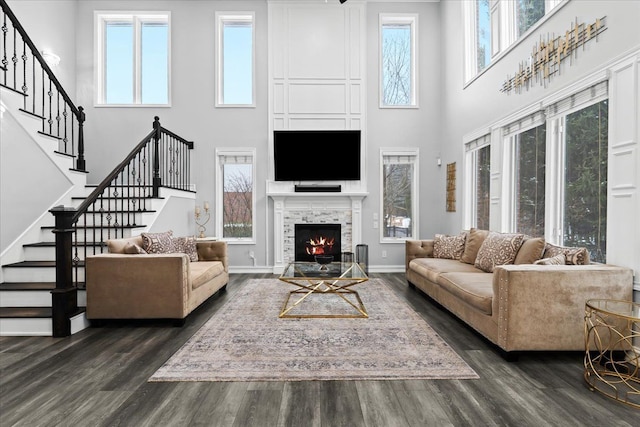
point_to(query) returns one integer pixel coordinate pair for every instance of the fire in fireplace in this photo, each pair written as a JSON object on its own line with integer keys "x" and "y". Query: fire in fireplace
{"x": 317, "y": 239}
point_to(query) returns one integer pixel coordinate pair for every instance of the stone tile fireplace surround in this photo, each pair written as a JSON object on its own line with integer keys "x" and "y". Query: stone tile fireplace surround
{"x": 291, "y": 208}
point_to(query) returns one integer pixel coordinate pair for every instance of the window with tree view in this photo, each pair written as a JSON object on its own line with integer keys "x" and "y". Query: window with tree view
{"x": 483, "y": 182}
{"x": 530, "y": 181}
{"x": 528, "y": 12}
{"x": 236, "y": 176}
{"x": 483, "y": 34}
{"x": 398, "y": 193}
{"x": 397, "y": 38}
{"x": 585, "y": 176}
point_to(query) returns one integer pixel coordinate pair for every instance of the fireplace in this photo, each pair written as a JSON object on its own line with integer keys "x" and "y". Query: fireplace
{"x": 317, "y": 239}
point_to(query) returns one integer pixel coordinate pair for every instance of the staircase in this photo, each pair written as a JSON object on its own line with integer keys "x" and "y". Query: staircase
{"x": 42, "y": 284}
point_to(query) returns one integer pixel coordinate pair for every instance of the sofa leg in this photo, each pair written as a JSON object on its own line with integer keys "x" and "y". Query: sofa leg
{"x": 510, "y": 356}
{"x": 178, "y": 323}
{"x": 411, "y": 285}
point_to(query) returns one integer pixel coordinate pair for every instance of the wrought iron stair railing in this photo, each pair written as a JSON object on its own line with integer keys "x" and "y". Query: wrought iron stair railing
{"x": 24, "y": 70}
{"x": 161, "y": 159}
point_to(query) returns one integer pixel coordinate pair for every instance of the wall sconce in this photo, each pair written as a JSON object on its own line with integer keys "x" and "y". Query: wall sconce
{"x": 199, "y": 216}
{"x": 50, "y": 58}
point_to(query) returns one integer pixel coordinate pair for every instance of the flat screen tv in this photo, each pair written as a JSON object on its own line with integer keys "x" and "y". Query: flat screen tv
{"x": 316, "y": 155}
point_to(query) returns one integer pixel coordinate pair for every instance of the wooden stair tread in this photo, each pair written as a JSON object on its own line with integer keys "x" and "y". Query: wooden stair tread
{"x": 91, "y": 227}
{"x": 27, "y": 286}
{"x": 37, "y": 264}
{"x": 53, "y": 244}
{"x": 25, "y": 312}
{"x": 31, "y": 312}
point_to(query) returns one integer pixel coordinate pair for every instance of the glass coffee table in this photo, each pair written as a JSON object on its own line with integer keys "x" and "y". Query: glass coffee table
{"x": 335, "y": 279}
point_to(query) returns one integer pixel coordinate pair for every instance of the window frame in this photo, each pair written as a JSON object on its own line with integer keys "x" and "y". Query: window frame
{"x": 402, "y": 19}
{"x": 219, "y": 190}
{"x": 471, "y": 178}
{"x": 414, "y": 153}
{"x": 221, "y": 18}
{"x": 504, "y": 32}
{"x": 137, "y": 18}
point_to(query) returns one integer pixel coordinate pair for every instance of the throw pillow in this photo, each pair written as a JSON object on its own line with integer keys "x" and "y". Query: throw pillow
{"x": 450, "y": 247}
{"x": 498, "y": 249}
{"x": 132, "y": 248}
{"x": 158, "y": 243}
{"x": 554, "y": 260}
{"x": 186, "y": 245}
{"x": 573, "y": 256}
{"x": 117, "y": 246}
{"x": 472, "y": 245}
{"x": 530, "y": 251}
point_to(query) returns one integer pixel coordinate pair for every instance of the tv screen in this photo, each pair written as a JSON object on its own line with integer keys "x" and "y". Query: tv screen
{"x": 316, "y": 155}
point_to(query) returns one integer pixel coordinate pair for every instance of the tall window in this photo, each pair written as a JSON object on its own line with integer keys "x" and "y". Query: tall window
{"x": 483, "y": 186}
{"x": 235, "y": 59}
{"x": 528, "y": 12}
{"x": 133, "y": 58}
{"x": 398, "y": 60}
{"x": 491, "y": 27}
{"x": 399, "y": 193}
{"x": 530, "y": 148}
{"x": 585, "y": 179}
{"x": 235, "y": 204}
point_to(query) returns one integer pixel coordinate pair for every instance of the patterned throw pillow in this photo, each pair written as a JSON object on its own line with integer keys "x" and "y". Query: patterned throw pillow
{"x": 450, "y": 247}
{"x": 498, "y": 249}
{"x": 573, "y": 256}
{"x": 554, "y": 260}
{"x": 186, "y": 245}
{"x": 158, "y": 243}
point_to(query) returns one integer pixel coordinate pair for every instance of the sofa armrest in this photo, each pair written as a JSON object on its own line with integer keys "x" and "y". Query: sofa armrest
{"x": 417, "y": 249}
{"x": 121, "y": 286}
{"x": 213, "y": 251}
{"x": 541, "y": 307}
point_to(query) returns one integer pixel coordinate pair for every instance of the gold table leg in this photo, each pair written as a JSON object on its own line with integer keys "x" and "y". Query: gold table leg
{"x": 329, "y": 288}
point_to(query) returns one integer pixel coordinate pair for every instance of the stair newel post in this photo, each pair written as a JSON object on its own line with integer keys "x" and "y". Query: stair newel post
{"x": 65, "y": 296}
{"x": 80, "y": 163}
{"x": 156, "y": 157}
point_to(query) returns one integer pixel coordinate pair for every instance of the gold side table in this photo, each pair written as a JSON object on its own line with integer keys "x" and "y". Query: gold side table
{"x": 612, "y": 349}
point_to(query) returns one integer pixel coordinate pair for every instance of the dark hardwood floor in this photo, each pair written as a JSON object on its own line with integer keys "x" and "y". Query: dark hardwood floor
{"x": 98, "y": 377}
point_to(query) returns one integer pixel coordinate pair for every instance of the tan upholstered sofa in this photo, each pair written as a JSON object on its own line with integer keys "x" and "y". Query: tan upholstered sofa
{"x": 518, "y": 307}
{"x": 153, "y": 286}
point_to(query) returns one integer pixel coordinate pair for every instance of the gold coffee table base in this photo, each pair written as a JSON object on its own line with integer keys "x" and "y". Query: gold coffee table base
{"x": 612, "y": 362}
{"x": 312, "y": 281}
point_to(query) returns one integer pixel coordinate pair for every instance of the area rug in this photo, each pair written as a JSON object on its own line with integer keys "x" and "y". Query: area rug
{"x": 247, "y": 341}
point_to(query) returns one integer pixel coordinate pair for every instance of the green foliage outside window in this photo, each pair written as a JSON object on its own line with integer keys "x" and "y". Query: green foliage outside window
{"x": 585, "y": 200}
{"x": 530, "y": 194}
{"x": 483, "y": 179}
{"x": 528, "y": 13}
{"x": 397, "y": 208}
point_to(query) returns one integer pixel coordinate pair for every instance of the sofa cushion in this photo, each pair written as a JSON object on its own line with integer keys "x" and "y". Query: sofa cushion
{"x": 559, "y": 259}
{"x": 476, "y": 289}
{"x": 186, "y": 245}
{"x": 531, "y": 250}
{"x": 472, "y": 245}
{"x": 117, "y": 246}
{"x": 431, "y": 268}
{"x": 133, "y": 249}
{"x": 158, "y": 243}
{"x": 498, "y": 249}
{"x": 204, "y": 271}
{"x": 573, "y": 256}
{"x": 449, "y": 247}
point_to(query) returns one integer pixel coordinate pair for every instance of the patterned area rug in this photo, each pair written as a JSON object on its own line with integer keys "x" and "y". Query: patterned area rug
{"x": 247, "y": 341}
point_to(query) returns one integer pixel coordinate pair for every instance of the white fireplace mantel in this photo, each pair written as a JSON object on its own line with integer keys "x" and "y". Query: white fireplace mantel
{"x": 348, "y": 203}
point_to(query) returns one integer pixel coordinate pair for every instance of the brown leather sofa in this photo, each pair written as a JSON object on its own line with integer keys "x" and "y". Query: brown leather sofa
{"x": 520, "y": 307}
{"x": 153, "y": 286}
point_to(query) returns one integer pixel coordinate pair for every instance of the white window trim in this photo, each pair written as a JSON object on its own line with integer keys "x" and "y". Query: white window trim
{"x": 400, "y": 18}
{"x": 219, "y": 218}
{"x": 221, "y": 17}
{"x": 415, "y": 191}
{"x": 137, "y": 17}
